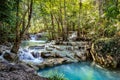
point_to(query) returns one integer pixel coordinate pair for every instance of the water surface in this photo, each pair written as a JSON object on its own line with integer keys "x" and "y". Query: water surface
{"x": 81, "y": 71}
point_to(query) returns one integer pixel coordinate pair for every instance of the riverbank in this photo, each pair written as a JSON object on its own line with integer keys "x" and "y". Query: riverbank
{"x": 52, "y": 54}
{"x": 50, "y": 58}
{"x": 106, "y": 52}
{"x": 19, "y": 71}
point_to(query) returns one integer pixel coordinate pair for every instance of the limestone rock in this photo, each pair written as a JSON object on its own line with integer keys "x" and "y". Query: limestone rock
{"x": 47, "y": 55}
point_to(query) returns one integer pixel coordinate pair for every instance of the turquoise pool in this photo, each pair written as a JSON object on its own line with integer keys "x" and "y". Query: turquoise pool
{"x": 81, "y": 71}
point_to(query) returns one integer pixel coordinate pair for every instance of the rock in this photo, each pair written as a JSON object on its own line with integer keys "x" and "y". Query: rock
{"x": 49, "y": 49}
{"x": 73, "y": 43}
{"x": 78, "y": 54}
{"x": 59, "y": 49}
{"x": 68, "y": 60}
{"x": 49, "y": 62}
{"x": 39, "y": 35}
{"x": 37, "y": 47}
{"x": 41, "y": 66}
{"x": 9, "y": 56}
{"x": 64, "y": 43}
{"x": 8, "y": 44}
{"x": 70, "y": 48}
{"x": 0, "y": 53}
{"x": 18, "y": 72}
{"x": 83, "y": 58}
{"x": 76, "y": 48}
{"x": 59, "y": 55}
{"x": 47, "y": 55}
{"x": 60, "y": 60}
{"x": 35, "y": 54}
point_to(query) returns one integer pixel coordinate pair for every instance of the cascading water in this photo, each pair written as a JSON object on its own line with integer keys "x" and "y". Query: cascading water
{"x": 73, "y": 36}
{"x": 31, "y": 51}
{"x": 30, "y": 56}
{"x": 33, "y": 37}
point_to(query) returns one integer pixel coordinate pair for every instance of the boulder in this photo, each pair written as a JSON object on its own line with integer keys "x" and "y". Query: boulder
{"x": 9, "y": 56}
{"x": 68, "y": 60}
{"x": 59, "y": 60}
{"x": 47, "y": 55}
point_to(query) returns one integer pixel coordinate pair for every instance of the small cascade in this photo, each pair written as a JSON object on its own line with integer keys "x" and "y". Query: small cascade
{"x": 33, "y": 37}
{"x": 72, "y": 36}
{"x": 30, "y": 56}
{"x": 30, "y": 51}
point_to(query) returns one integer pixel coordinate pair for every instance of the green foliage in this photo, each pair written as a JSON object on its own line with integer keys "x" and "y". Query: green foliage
{"x": 108, "y": 45}
{"x": 110, "y": 32}
{"x": 7, "y": 20}
{"x": 112, "y": 10}
{"x": 57, "y": 76}
{"x": 85, "y": 19}
{"x": 6, "y": 11}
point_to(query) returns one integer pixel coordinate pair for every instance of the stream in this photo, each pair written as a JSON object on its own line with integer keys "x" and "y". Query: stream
{"x": 72, "y": 71}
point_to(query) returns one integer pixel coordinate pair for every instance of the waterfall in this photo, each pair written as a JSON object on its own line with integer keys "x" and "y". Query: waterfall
{"x": 72, "y": 36}
{"x": 30, "y": 56}
{"x": 33, "y": 37}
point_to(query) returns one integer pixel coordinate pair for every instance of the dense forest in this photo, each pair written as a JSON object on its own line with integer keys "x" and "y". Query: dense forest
{"x": 65, "y": 22}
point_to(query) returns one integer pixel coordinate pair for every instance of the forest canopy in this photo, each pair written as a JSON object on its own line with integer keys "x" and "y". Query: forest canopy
{"x": 93, "y": 18}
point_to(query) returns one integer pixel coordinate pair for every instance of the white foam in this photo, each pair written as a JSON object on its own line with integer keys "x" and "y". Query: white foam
{"x": 26, "y": 56}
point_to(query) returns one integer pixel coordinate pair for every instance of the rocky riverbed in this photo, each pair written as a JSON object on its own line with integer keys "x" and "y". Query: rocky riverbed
{"x": 20, "y": 71}
{"x": 52, "y": 54}
{"x": 46, "y": 55}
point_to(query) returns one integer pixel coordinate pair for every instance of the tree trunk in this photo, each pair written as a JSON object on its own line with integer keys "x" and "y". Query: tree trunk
{"x": 19, "y": 33}
{"x": 17, "y": 39}
{"x": 79, "y": 20}
{"x": 61, "y": 19}
{"x": 58, "y": 31}
{"x": 64, "y": 22}
{"x": 52, "y": 22}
